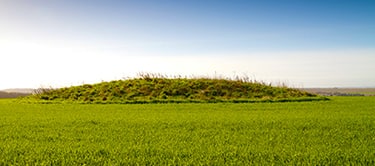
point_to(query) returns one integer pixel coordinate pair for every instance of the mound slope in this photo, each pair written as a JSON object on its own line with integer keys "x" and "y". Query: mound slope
{"x": 156, "y": 90}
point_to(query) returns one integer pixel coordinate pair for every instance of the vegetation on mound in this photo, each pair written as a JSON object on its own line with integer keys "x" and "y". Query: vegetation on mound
{"x": 156, "y": 89}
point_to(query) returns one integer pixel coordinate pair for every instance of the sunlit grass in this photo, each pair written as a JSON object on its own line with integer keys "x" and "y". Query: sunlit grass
{"x": 336, "y": 132}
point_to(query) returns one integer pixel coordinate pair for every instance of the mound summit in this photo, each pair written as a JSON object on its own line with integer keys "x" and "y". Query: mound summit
{"x": 149, "y": 89}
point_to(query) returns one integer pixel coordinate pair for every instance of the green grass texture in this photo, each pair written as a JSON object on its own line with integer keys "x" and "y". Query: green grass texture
{"x": 340, "y": 131}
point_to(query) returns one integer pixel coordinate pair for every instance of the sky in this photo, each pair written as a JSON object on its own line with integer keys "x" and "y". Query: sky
{"x": 300, "y": 43}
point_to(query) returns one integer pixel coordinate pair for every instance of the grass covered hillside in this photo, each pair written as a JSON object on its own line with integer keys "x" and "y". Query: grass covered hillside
{"x": 155, "y": 89}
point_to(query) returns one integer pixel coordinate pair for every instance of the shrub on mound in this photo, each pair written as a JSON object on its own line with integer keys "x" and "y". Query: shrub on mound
{"x": 156, "y": 90}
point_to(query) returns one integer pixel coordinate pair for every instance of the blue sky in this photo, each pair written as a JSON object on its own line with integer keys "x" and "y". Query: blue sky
{"x": 303, "y": 43}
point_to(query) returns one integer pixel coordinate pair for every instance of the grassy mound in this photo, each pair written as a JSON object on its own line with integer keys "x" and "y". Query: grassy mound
{"x": 173, "y": 90}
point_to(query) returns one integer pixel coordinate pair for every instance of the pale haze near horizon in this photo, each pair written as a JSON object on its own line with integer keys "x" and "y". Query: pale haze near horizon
{"x": 300, "y": 43}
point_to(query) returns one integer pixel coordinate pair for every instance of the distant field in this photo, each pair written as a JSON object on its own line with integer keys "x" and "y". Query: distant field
{"x": 336, "y": 132}
{"x": 342, "y": 91}
{"x": 12, "y": 94}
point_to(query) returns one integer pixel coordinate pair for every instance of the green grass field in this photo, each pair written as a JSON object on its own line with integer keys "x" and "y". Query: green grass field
{"x": 336, "y": 132}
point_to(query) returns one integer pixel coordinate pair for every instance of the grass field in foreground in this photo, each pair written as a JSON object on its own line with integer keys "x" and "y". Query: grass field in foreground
{"x": 336, "y": 132}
